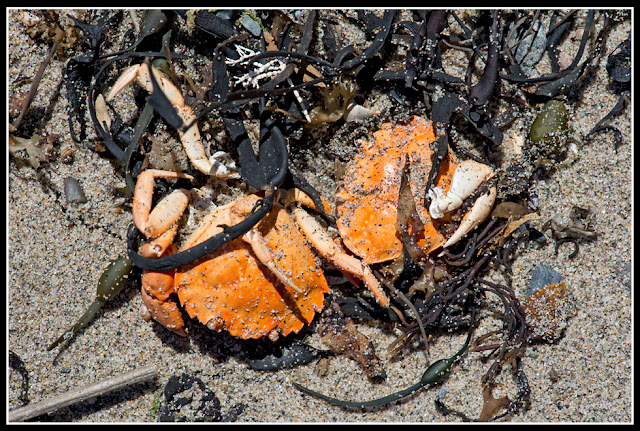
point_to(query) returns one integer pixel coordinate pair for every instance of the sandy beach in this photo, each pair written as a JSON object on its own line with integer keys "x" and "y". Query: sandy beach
{"x": 57, "y": 251}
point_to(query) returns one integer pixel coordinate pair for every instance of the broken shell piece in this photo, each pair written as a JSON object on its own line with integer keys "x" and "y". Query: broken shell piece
{"x": 357, "y": 112}
{"x": 102, "y": 113}
{"x": 29, "y": 19}
{"x": 223, "y": 166}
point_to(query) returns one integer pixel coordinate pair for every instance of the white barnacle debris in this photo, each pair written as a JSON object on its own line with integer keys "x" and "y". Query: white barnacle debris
{"x": 29, "y": 19}
{"x": 244, "y": 53}
{"x": 223, "y": 166}
{"x": 261, "y": 71}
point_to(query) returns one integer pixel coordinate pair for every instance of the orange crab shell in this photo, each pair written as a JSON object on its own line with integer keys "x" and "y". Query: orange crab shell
{"x": 231, "y": 290}
{"x": 369, "y": 209}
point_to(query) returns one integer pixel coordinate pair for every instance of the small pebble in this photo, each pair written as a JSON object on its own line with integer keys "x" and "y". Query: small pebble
{"x": 553, "y": 375}
{"x": 73, "y": 191}
{"x": 251, "y": 24}
{"x": 542, "y": 275}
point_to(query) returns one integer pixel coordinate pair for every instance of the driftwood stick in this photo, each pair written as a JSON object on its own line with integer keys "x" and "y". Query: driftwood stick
{"x": 81, "y": 394}
{"x": 34, "y": 84}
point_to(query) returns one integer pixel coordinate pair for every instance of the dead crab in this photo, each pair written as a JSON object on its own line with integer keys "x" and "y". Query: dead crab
{"x": 369, "y": 211}
{"x": 265, "y": 283}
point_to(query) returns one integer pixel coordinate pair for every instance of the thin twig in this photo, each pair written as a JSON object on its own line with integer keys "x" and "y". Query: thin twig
{"x": 80, "y": 394}
{"x": 34, "y": 84}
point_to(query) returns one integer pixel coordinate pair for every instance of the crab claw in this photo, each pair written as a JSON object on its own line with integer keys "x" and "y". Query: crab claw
{"x": 191, "y": 140}
{"x": 476, "y": 215}
{"x": 468, "y": 176}
{"x": 166, "y": 213}
{"x": 466, "y": 179}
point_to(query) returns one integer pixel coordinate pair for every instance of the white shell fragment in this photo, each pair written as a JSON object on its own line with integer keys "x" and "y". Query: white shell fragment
{"x": 223, "y": 166}
{"x": 357, "y": 112}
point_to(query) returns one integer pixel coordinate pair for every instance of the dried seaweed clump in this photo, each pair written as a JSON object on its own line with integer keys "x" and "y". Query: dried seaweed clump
{"x": 335, "y": 100}
{"x": 35, "y": 153}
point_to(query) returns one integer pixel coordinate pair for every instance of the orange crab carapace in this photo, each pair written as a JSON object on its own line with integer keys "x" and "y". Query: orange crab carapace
{"x": 368, "y": 203}
{"x": 265, "y": 283}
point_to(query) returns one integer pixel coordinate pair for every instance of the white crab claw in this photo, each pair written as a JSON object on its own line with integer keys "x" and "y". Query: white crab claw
{"x": 468, "y": 176}
{"x": 466, "y": 179}
{"x": 476, "y": 215}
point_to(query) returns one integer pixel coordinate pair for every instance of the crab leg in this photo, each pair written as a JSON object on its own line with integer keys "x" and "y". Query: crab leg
{"x": 190, "y": 138}
{"x": 166, "y": 213}
{"x": 329, "y": 249}
{"x": 296, "y": 195}
{"x": 263, "y": 252}
{"x": 260, "y": 247}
